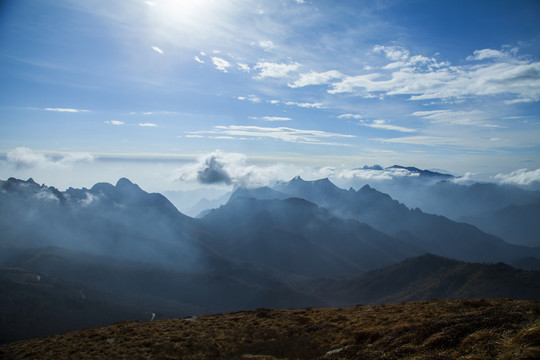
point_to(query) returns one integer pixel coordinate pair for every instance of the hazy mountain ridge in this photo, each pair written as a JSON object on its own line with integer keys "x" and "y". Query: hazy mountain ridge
{"x": 480, "y": 204}
{"x": 428, "y": 277}
{"x": 296, "y": 236}
{"x": 120, "y": 252}
{"x": 433, "y": 233}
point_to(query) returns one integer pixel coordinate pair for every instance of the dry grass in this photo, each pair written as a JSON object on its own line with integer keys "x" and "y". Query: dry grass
{"x": 461, "y": 329}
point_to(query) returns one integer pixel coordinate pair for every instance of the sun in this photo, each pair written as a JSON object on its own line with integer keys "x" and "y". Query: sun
{"x": 186, "y": 15}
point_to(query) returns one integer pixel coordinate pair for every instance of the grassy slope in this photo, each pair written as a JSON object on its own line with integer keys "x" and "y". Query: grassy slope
{"x": 472, "y": 329}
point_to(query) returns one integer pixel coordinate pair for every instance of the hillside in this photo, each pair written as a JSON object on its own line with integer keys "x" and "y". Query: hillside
{"x": 465, "y": 329}
{"x": 427, "y": 277}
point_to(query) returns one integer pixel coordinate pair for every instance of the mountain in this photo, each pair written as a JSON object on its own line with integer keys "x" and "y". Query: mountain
{"x": 517, "y": 224}
{"x": 428, "y": 277}
{"x": 435, "y": 234}
{"x": 480, "y": 204}
{"x": 87, "y": 257}
{"x": 423, "y": 173}
{"x": 120, "y": 220}
{"x": 203, "y": 205}
{"x": 50, "y": 290}
{"x": 294, "y": 237}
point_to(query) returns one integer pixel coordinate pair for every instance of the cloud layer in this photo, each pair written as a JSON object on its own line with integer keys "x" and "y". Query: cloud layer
{"x": 231, "y": 168}
{"x": 286, "y": 134}
{"x": 22, "y": 157}
{"x": 519, "y": 177}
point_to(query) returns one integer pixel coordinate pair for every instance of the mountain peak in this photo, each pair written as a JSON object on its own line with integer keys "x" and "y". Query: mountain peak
{"x": 420, "y": 172}
{"x": 297, "y": 179}
{"x": 124, "y": 182}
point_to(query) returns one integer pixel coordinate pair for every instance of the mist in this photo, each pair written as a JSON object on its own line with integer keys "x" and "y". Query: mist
{"x": 113, "y": 252}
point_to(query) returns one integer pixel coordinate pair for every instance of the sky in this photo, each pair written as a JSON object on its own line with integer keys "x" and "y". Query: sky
{"x": 188, "y": 93}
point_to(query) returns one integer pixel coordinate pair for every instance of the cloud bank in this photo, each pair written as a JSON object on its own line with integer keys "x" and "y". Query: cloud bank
{"x": 224, "y": 168}
{"x": 22, "y": 158}
{"x": 522, "y": 177}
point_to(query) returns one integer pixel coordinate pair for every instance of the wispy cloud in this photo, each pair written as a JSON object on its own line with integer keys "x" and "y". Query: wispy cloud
{"x": 271, "y": 118}
{"x": 381, "y": 124}
{"x": 493, "y": 72}
{"x": 315, "y": 78}
{"x": 350, "y": 116}
{"x": 198, "y": 59}
{"x": 373, "y": 173}
{"x": 27, "y": 158}
{"x": 220, "y": 63}
{"x": 279, "y": 133}
{"x": 147, "y": 124}
{"x": 275, "y": 70}
{"x": 305, "y": 104}
{"x": 486, "y": 54}
{"x": 156, "y": 49}
{"x": 114, "y": 122}
{"x": 66, "y": 110}
{"x": 243, "y": 67}
{"x": 252, "y": 98}
{"x": 267, "y": 45}
{"x": 471, "y": 117}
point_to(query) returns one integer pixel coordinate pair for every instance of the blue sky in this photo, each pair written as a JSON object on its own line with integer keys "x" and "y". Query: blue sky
{"x": 154, "y": 90}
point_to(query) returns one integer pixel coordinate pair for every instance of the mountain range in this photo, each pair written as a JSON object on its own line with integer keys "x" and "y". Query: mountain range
{"x": 115, "y": 252}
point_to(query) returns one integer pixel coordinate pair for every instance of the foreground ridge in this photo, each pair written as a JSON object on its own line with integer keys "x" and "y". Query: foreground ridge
{"x": 435, "y": 329}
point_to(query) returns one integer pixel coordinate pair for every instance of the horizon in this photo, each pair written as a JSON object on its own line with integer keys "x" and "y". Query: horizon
{"x": 183, "y": 95}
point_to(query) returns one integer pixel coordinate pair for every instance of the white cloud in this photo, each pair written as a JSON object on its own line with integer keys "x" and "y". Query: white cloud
{"x": 252, "y": 98}
{"x": 381, "y": 124}
{"x": 267, "y": 45}
{"x": 244, "y": 67}
{"x": 272, "y": 118}
{"x": 275, "y": 70}
{"x": 114, "y": 122}
{"x": 519, "y": 177}
{"x": 66, "y": 110}
{"x": 392, "y": 52}
{"x": 349, "y": 116}
{"x": 316, "y": 78}
{"x": 220, "y": 64}
{"x": 486, "y": 54}
{"x": 27, "y": 158}
{"x": 472, "y": 117}
{"x": 425, "y": 78}
{"x": 194, "y": 136}
{"x": 232, "y": 168}
{"x": 147, "y": 124}
{"x": 198, "y": 59}
{"x": 305, "y": 104}
{"x": 156, "y": 49}
{"x": 373, "y": 174}
{"x": 279, "y": 133}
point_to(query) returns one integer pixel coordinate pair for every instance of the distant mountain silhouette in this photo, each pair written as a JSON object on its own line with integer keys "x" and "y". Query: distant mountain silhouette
{"x": 429, "y": 277}
{"x": 480, "y": 204}
{"x": 517, "y": 224}
{"x": 435, "y": 234}
{"x": 423, "y": 173}
{"x": 88, "y": 257}
{"x": 296, "y": 237}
